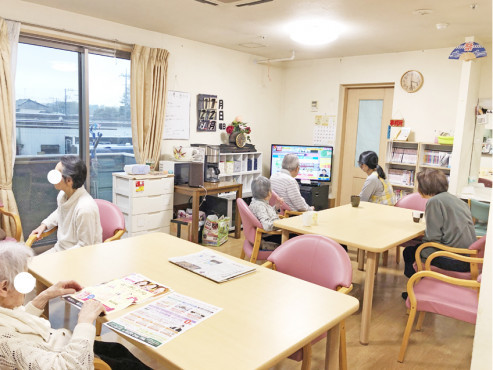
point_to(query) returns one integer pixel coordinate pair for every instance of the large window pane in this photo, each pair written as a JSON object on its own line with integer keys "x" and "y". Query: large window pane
{"x": 47, "y": 125}
{"x": 110, "y": 141}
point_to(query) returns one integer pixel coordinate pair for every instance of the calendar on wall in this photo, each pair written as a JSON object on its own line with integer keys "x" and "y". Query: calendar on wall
{"x": 207, "y": 112}
{"x": 324, "y": 130}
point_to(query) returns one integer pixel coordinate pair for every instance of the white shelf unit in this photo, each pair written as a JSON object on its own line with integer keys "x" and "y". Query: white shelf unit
{"x": 146, "y": 202}
{"x": 242, "y": 168}
{"x": 432, "y": 155}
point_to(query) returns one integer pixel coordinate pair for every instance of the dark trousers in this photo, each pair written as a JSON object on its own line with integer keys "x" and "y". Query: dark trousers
{"x": 117, "y": 356}
{"x": 409, "y": 255}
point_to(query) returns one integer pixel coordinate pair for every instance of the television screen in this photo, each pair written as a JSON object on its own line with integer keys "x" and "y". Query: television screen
{"x": 315, "y": 161}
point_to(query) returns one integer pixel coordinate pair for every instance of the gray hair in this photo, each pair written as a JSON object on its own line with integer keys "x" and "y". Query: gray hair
{"x": 260, "y": 187}
{"x": 14, "y": 257}
{"x": 290, "y": 162}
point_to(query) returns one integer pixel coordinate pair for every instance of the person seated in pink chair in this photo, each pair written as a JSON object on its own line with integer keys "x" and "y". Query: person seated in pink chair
{"x": 448, "y": 222}
{"x": 265, "y": 213}
{"x": 77, "y": 214}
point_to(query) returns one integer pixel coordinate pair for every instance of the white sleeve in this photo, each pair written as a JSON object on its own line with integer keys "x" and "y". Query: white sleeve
{"x": 369, "y": 188}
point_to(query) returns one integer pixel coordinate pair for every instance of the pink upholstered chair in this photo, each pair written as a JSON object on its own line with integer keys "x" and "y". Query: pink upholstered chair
{"x": 285, "y": 210}
{"x": 17, "y": 221}
{"x": 412, "y": 201}
{"x": 321, "y": 261}
{"x": 252, "y": 228}
{"x": 487, "y": 183}
{"x": 429, "y": 291}
{"x": 476, "y": 249}
{"x": 112, "y": 220}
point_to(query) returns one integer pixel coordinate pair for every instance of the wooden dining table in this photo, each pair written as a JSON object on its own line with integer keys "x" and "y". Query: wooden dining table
{"x": 370, "y": 227}
{"x": 266, "y": 315}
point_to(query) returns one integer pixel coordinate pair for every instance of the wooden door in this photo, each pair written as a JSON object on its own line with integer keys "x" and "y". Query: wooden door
{"x": 366, "y": 119}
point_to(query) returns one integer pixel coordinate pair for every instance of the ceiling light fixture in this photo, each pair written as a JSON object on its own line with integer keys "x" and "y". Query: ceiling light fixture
{"x": 314, "y": 32}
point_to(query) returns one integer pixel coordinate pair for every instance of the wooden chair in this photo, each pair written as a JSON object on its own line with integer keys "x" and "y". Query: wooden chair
{"x": 322, "y": 261}
{"x": 480, "y": 212}
{"x": 17, "y": 221}
{"x": 430, "y": 291}
{"x": 253, "y": 234}
{"x": 100, "y": 365}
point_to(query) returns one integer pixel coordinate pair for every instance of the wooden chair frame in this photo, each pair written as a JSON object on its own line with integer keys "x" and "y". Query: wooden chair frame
{"x": 17, "y": 222}
{"x": 258, "y": 241}
{"x": 307, "y": 350}
{"x": 473, "y": 283}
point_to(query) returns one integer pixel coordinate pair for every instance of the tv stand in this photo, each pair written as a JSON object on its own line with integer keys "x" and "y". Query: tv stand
{"x": 316, "y": 194}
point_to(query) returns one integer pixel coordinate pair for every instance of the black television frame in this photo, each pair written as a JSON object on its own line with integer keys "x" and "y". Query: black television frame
{"x": 308, "y": 146}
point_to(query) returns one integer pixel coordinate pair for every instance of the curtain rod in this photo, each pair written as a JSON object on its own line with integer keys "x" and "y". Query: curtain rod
{"x": 96, "y": 38}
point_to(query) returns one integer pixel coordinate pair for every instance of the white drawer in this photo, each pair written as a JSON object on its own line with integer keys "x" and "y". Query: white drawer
{"x": 161, "y": 230}
{"x": 135, "y": 206}
{"x": 147, "y": 221}
{"x": 143, "y": 187}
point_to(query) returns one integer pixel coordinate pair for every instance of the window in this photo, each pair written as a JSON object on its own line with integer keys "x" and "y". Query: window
{"x": 70, "y": 99}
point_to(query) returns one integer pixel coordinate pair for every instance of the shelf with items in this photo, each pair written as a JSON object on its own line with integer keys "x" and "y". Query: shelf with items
{"x": 432, "y": 155}
{"x": 241, "y": 167}
{"x": 401, "y": 165}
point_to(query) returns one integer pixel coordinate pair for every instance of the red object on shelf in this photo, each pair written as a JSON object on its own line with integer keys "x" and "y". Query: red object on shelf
{"x": 397, "y": 122}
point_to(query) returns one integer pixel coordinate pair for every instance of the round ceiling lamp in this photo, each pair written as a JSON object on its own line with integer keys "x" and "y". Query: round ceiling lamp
{"x": 314, "y": 32}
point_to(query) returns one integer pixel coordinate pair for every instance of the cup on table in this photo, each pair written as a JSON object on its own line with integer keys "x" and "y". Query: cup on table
{"x": 417, "y": 216}
{"x": 355, "y": 200}
{"x": 307, "y": 218}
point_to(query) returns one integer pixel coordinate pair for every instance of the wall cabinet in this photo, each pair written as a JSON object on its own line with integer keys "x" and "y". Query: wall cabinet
{"x": 146, "y": 202}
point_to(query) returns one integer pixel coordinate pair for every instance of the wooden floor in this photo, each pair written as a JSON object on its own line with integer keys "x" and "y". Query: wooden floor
{"x": 443, "y": 343}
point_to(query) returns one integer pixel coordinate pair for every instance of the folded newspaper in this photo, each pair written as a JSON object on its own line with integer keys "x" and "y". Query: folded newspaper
{"x": 212, "y": 266}
{"x": 119, "y": 293}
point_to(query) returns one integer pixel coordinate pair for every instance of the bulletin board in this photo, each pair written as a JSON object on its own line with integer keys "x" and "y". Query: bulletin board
{"x": 177, "y": 115}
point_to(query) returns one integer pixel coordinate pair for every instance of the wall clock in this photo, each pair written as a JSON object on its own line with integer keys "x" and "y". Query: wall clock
{"x": 411, "y": 81}
{"x": 241, "y": 140}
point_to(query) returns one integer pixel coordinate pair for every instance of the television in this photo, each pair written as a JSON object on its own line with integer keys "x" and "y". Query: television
{"x": 315, "y": 161}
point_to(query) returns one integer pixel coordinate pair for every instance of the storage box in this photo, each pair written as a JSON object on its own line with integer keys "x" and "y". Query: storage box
{"x": 181, "y": 229}
{"x": 236, "y": 166}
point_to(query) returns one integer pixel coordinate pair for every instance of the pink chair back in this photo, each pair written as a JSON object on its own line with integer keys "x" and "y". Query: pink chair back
{"x": 412, "y": 201}
{"x": 487, "y": 183}
{"x": 250, "y": 225}
{"x": 274, "y": 199}
{"x": 111, "y": 218}
{"x": 316, "y": 259}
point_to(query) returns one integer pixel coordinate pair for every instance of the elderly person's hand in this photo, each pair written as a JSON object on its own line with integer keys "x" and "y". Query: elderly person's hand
{"x": 90, "y": 311}
{"x": 54, "y": 291}
{"x": 38, "y": 231}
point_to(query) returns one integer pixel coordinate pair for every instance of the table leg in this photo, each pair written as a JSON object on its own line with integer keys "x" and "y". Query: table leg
{"x": 371, "y": 262}
{"x": 284, "y": 236}
{"x": 361, "y": 259}
{"x": 39, "y": 288}
{"x": 332, "y": 348}
{"x": 237, "y": 217}
{"x": 195, "y": 217}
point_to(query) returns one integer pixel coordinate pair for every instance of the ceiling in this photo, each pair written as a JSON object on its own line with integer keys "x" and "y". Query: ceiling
{"x": 372, "y": 27}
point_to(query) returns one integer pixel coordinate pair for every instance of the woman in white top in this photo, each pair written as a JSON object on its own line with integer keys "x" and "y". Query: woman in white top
{"x": 377, "y": 188}
{"x": 27, "y": 341}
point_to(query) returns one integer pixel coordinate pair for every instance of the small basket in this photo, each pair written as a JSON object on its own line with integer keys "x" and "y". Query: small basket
{"x": 447, "y": 140}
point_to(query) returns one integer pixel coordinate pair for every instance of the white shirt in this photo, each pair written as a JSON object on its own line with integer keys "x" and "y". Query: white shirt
{"x": 288, "y": 189}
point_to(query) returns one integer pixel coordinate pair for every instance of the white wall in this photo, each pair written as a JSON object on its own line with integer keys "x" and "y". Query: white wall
{"x": 251, "y": 90}
{"x": 434, "y": 106}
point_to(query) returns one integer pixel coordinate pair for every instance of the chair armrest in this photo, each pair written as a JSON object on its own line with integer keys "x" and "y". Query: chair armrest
{"x": 17, "y": 221}
{"x": 268, "y": 265}
{"x": 443, "y": 247}
{"x": 474, "y": 261}
{"x": 292, "y": 213}
{"x": 33, "y": 238}
{"x": 272, "y": 232}
{"x": 345, "y": 290}
{"x": 117, "y": 236}
{"x": 435, "y": 275}
{"x": 100, "y": 365}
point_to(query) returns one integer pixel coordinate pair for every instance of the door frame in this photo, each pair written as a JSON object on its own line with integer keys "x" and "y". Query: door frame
{"x": 343, "y": 92}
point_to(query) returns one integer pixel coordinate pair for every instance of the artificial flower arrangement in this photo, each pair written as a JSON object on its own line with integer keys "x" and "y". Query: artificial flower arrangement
{"x": 238, "y": 127}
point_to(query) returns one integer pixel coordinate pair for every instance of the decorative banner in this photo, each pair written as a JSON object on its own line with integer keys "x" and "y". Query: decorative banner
{"x": 206, "y": 112}
{"x": 468, "y": 51}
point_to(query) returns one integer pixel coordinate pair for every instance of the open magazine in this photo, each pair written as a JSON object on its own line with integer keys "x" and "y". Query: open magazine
{"x": 212, "y": 266}
{"x": 119, "y": 293}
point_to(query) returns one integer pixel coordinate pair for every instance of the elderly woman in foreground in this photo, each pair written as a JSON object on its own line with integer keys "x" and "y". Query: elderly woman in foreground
{"x": 27, "y": 341}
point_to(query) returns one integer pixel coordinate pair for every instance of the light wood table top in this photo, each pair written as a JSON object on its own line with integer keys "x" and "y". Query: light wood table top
{"x": 371, "y": 227}
{"x": 265, "y": 317}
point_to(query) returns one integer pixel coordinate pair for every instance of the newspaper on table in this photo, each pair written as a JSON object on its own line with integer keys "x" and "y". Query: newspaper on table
{"x": 119, "y": 293}
{"x": 164, "y": 319}
{"x": 212, "y": 266}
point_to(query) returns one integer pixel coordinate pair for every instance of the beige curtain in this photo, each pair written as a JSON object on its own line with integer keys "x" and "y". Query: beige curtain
{"x": 148, "y": 100}
{"x": 6, "y": 125}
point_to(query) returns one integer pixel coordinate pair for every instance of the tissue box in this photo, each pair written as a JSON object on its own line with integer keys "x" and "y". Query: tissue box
{"x": 137, "y": 169}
